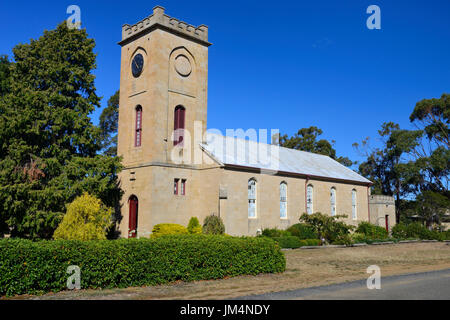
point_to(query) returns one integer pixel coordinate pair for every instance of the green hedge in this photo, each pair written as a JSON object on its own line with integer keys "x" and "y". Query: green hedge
{"x": 372, "y": 231}
{"x": 291, "y": 242}
{"x": 309, "y": 242}
{"x": 287, "y": 242}
{"x": 418, "y": 231}
{"x": 275, "y": 233}
{"x": 28, "y": 267}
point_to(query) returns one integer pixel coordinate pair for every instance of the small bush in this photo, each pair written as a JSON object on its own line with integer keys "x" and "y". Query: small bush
{"x": 345, "y": 239}
{"x": 440, "y": 236}
{"x": 28, "y": 267}
{"x": 86, "y": 219}
{"x": 292, "y": 242}
{"x": 359, "y": 237}
{"x": 419, "y": 230}
{"x": 446, "y": 235}
{"x": 213, "y": 225}
{"x": 413, "y": 230}
{"x": 309, "y": 242}
{"x": 303, "y": 231}
{"x": 372, "y": 231}
{"x": 167, "y": 229}
{"x": 400, "y": 231}
{"x": 194, "y": 226}
{"x": 275, "y": 233}
{"x": 288, "y": 242}
{"x": 328, "y": 227}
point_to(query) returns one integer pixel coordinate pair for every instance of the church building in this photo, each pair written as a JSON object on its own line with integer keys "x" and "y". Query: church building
{"x": 175, "y": 169}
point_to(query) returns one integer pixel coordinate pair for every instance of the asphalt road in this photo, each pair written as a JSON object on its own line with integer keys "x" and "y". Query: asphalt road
{"x": 433, "y": 285}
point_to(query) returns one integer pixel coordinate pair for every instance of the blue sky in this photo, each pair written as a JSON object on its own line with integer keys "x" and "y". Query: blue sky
{"x": 281, "y": 64}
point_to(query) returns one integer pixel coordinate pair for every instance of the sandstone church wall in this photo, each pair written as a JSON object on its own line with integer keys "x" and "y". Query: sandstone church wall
{"x": 153, "y": 186}
{"x": 268, "y": 201}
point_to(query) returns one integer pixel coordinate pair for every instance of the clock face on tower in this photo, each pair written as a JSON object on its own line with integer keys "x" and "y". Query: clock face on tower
{"x": 137, "y": 65}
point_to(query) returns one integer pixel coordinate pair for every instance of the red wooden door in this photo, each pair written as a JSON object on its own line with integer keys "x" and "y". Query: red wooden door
{"x": 386, "y": 219}
{"x": 133, "y": 216}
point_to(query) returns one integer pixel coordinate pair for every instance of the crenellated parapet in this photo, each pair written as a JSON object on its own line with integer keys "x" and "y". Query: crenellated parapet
{"x": 381, "y": 199}
{"x": 159, "y": 19}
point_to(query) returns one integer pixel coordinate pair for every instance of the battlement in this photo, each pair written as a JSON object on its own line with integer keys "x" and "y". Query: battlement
{"x": 380, "y": 199}
{"x": 159, "y": 19}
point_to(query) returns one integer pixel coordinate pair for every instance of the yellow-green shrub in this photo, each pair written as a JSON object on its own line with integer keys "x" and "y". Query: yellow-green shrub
{"x": 168, "y": 229}
{"x": 87, "y": 218}
{"x": 194, "y": 226}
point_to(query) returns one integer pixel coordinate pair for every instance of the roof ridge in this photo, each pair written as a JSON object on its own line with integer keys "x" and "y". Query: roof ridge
{"x": 258, "y": 142}
{"x": 310, "y": 165}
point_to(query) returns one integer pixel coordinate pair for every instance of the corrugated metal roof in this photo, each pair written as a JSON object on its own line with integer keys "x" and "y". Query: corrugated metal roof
{"x": 240, "y": 152}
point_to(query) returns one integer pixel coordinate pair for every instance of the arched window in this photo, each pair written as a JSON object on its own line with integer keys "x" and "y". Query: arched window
{"x": 354, "y": 213}
{"x": 133, "y": 205}
{"x": 178, "y": 126}
{"x": 138, "y": 133}
{"x": 252, "y": 198}
{"x": 309, "y": 199}
{"x": 283, "y": 200}
{"x": 333, "y": 201}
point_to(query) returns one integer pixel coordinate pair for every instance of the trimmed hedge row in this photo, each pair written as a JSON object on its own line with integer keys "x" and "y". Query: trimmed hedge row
{"x": 287, "y": 242}
{"x": 300, "y": 230}
{"x": 310, "y": 242}
{"x": 292, "y": 242}
{"x": 28, "y": 267}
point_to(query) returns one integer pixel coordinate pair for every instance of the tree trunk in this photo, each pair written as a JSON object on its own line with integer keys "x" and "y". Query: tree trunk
{"x": 397, "y": 209}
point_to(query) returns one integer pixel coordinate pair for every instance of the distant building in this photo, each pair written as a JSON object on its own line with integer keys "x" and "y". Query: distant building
{"x": 175, "y": 170}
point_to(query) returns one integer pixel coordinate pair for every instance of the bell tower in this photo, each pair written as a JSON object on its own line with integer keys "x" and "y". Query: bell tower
{"x": 163, "y": 87}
